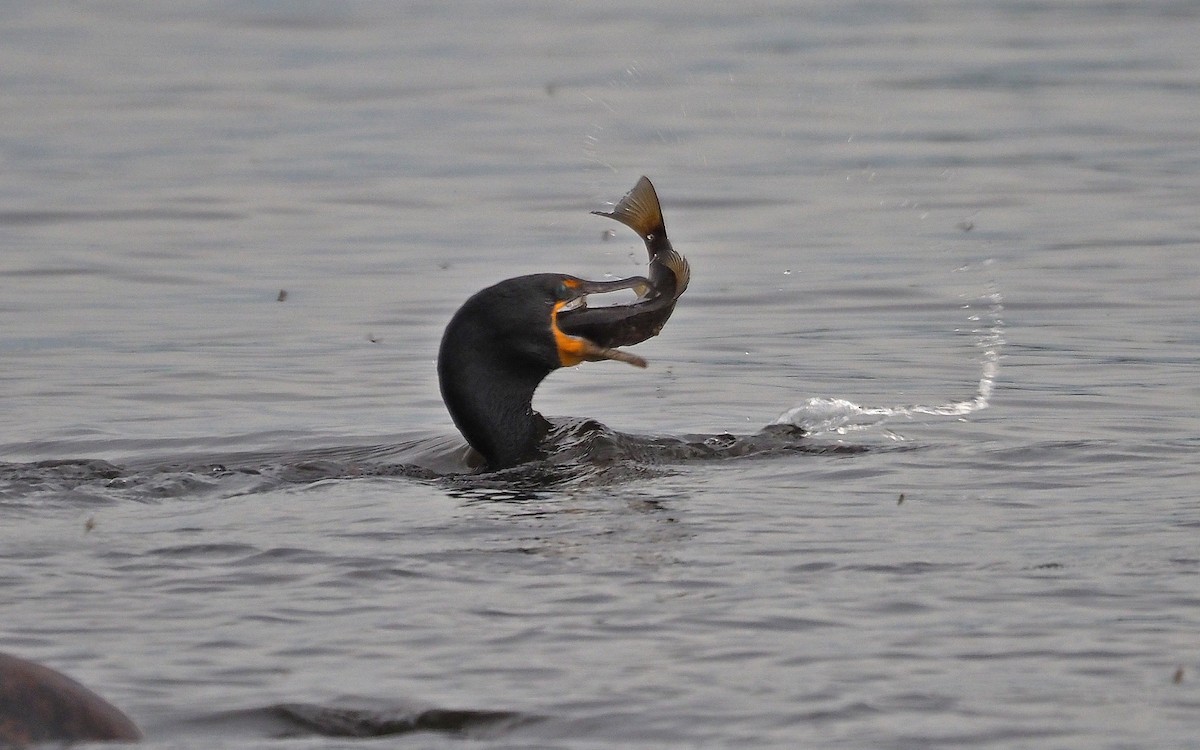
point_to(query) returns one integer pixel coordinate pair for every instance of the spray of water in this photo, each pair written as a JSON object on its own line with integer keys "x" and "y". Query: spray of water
{"x": 840, "y": 416}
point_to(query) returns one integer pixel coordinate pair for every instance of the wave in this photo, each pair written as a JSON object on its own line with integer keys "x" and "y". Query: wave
{"x": 360, "y": 718}
{"x": 821, "y": 416}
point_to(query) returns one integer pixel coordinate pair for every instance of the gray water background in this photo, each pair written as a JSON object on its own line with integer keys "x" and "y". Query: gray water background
{"x": 885, "y": 205}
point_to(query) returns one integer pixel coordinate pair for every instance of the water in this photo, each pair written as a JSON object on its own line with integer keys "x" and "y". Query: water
{"x": 896, "y": 215}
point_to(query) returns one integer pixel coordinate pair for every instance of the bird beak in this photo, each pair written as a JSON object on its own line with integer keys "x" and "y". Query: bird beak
{"x": 639, "y": 284}
{"x": 574, "y": 349}
{"x": 630, "y": 323}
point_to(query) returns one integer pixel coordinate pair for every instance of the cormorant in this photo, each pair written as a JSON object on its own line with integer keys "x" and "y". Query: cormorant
{"x": 506, "y": 339}
{"x": 38, "y": 704}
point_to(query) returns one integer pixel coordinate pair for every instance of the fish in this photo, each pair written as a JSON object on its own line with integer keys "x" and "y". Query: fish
{"x": 658, "y": 291}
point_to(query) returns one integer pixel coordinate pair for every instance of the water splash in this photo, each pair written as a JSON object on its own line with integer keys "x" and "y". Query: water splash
{"x": 837, "y": 415}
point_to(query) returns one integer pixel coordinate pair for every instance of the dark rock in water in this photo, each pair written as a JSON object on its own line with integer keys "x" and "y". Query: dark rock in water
{"x": 38, "y": 704}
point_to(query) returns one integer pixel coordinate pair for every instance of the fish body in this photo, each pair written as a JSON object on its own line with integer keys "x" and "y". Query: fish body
{"x": 667, "y": 279}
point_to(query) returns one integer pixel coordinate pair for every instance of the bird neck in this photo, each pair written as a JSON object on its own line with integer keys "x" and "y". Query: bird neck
{"x": 491, "y": 403}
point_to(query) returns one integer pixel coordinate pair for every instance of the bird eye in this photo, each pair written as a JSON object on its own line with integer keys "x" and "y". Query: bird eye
{"x": 564, "y": 291}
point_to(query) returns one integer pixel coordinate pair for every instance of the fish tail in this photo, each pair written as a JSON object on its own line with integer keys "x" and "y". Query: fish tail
{"x": 639, "y": 210}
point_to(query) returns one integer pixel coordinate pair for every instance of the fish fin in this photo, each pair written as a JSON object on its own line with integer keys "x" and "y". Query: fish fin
{"x": 639, "y": 210}
{"x": 679, "y": 266}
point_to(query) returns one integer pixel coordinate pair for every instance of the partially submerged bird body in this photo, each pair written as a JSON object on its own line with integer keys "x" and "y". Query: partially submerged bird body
{"x": 507, "y": 338}
{"x": 38, "y": 704}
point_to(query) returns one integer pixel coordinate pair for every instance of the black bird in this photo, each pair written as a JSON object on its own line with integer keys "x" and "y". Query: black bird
{"x": 506, "y": 339}
{"x": 499, "y": 347}
{"x": 38, "y": 704}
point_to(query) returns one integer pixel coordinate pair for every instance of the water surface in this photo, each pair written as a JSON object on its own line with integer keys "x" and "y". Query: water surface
{"x": 962, "y": 238}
